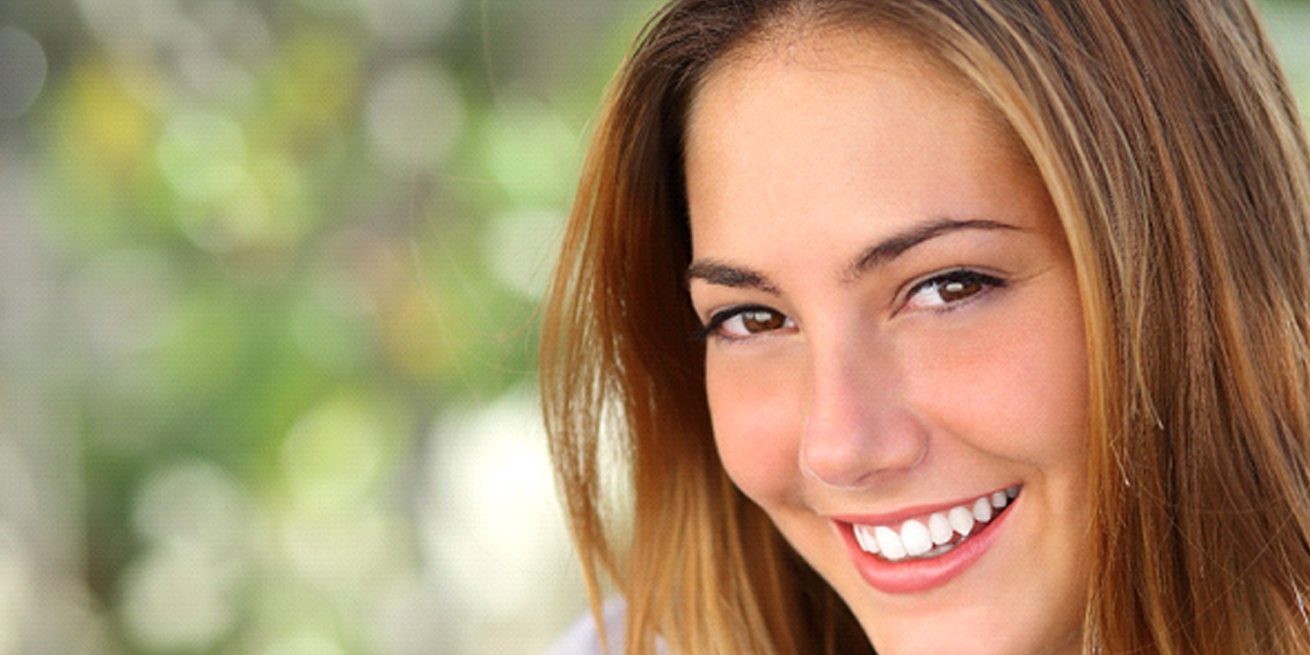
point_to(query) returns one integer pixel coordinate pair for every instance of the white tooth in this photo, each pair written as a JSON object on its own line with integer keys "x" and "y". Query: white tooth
{"x": 982, "y": 511}
{"x": 940, "y": 528}
{"x": 961, "y": 520}
{"x": 1012, "y": 491}
{"x": 915, "y": 537}
{"x": 864, "y": 535}
{"x": 999, "y": 500}
{"x": 889, "y": 543}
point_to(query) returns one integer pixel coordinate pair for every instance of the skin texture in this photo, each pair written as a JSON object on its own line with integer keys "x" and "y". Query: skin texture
{"x": 863, "y": 390}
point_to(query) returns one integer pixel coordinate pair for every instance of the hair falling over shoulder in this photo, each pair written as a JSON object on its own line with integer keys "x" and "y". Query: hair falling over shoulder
{"x": 1179, "y": 169}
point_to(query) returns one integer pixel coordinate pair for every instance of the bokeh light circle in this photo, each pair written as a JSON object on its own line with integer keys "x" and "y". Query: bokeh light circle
{"x": 23, "y": 70}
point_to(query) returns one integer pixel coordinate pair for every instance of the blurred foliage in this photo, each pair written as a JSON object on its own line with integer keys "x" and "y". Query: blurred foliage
{"x": 267, "y": 291}
{"x": 286, "y": 242}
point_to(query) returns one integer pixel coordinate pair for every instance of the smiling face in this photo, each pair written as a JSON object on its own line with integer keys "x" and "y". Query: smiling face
{"x": 895, "y": 354}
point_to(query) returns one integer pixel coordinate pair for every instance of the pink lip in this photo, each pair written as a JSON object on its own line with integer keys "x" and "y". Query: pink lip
{"x": 917, "y": 575}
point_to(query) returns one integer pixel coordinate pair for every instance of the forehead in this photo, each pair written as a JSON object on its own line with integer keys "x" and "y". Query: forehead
{"x": 871, "y": 68}
{"x": 822, "y": 126}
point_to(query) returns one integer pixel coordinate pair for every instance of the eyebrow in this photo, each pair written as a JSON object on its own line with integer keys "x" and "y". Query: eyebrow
{"x": 888, "y": 249}
{"x": 879, "y": 254}
{"x": 728, "y": 275}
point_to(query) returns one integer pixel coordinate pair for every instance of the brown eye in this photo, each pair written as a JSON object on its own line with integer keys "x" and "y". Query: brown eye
{"x": 946, "y": 290}
{"x": 761, "y": 320}
{"x": 744, "y": 322}
{"x": 959, "y": 290}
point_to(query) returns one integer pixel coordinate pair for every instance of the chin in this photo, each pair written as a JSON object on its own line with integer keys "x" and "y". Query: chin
{"x": 999, "y": 628}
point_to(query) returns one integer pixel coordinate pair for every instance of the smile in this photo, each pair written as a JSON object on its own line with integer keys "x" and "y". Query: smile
{"x": 935, "y": 534}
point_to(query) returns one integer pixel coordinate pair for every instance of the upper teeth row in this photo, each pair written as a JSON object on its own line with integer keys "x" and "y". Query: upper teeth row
{"x": 915, "y": 539}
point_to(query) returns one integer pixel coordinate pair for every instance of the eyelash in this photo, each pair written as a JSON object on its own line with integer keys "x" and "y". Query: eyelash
{"x": 713, "y": 327}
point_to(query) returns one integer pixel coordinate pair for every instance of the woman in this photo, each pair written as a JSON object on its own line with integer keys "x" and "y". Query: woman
{"x": 1004, "y": 310}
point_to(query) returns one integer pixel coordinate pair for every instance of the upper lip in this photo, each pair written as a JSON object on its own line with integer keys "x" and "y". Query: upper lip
{"x": 916, "y": 511}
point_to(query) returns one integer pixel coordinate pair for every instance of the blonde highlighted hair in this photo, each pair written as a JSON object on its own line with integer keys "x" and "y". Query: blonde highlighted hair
{"x": 1167, "y": 138}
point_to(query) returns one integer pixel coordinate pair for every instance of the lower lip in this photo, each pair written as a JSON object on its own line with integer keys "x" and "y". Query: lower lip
{"x": 917, "y": 575}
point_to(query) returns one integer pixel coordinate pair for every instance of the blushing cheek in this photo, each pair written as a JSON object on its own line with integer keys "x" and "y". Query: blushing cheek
{"x": 1029, "y": 374}
{"x": 1050, "y": 366}
{"x": 756, "y": 431}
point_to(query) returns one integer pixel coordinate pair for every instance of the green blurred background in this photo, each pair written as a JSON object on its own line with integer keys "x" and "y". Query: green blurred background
{"x": 268, "y": 282}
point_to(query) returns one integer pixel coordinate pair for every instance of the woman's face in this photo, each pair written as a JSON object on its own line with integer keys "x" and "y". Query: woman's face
{"x": 895, "y": 358}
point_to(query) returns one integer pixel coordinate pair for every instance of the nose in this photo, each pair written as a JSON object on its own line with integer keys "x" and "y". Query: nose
{"x": 859, "y": 424}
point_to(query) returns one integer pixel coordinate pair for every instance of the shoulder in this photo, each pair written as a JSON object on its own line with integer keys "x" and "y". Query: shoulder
{"x": 582, "y": 638}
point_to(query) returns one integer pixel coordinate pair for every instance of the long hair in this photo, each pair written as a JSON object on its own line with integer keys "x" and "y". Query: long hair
{"x": 1169, "y": 143}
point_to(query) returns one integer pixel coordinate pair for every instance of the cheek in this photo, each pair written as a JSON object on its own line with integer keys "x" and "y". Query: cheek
{"x": 1018, "y": 388}
{"x": 755, "y": 420}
